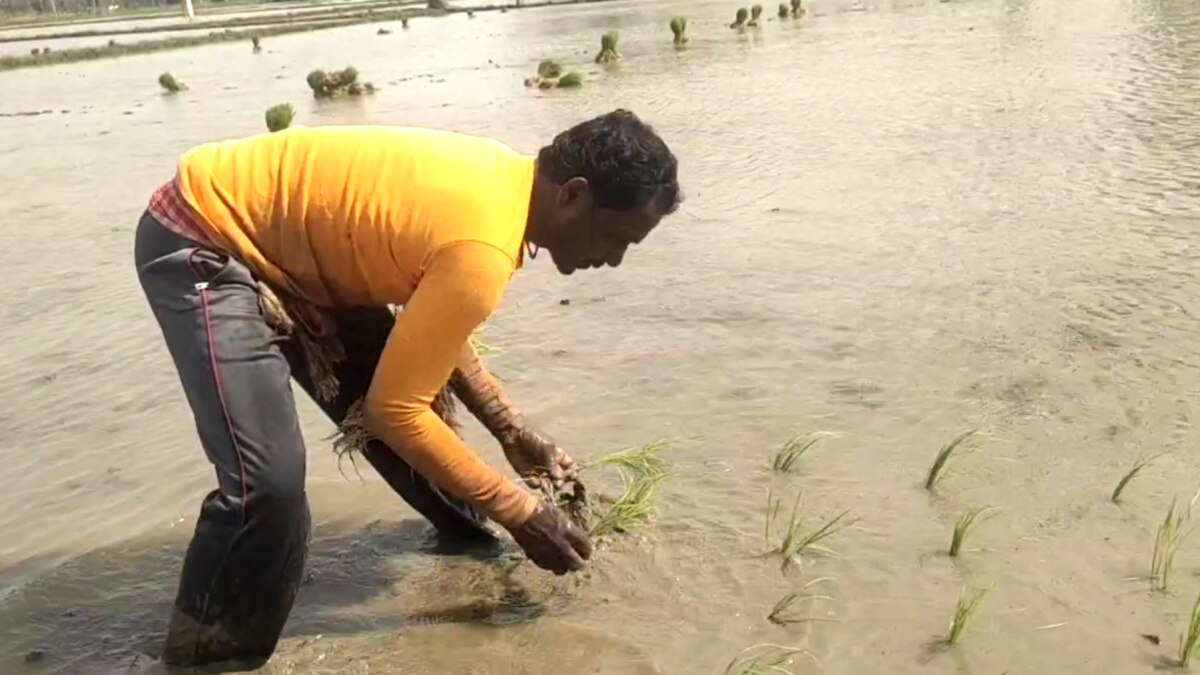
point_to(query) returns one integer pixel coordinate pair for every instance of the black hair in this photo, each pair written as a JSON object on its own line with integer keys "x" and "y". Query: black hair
{"x": 623, "y": 159}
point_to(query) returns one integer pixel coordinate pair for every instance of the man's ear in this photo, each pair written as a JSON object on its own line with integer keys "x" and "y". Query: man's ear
{"x": 575, "y": 194}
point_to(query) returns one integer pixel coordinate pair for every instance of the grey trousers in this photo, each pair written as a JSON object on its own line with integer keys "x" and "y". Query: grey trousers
{"x": 244, "y": 564}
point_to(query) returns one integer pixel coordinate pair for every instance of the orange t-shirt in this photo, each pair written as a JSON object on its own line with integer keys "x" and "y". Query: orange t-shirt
{"x": 373, "y": 215}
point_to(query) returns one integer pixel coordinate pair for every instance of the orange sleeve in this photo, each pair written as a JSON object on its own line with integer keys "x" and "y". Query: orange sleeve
{"x": 462, "y": 284}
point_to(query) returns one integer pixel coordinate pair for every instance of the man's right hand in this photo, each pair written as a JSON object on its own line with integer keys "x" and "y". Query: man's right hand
{"x": 552, "y": 541}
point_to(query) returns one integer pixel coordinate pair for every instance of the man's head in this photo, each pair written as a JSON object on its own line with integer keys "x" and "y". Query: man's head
{"x": 601, "y": 186}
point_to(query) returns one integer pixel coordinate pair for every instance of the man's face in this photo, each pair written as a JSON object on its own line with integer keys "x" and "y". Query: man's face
{"x": 587, "y": 237}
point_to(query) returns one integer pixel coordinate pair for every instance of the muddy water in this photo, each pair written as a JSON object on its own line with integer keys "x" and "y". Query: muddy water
{"x": 902, "y": 222}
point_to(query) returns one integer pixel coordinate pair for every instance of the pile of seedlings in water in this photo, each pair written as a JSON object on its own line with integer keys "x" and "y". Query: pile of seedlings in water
{"x": 550, "y": 75}
{"x": 755, "y": 15}
{"x": 279, "y": 117}
{"x": 740, "y": 18}
{"x": 338, "y": 83}
{"x": 168, "y": 82}
{"x": 679, "y": 26}
{"x": 608, "y": 48}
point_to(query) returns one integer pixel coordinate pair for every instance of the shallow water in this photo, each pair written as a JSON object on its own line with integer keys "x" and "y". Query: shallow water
{"x": 901, "y": 223}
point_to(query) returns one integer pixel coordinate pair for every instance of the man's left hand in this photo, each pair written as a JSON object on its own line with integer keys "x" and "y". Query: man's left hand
{"x": 538, "y": 459}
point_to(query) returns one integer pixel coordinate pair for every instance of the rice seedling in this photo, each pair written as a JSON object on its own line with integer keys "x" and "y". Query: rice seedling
{"x": 755, "y": 14}
{"x": 645, "y": 460}
{"x": 794, "y": 449}
{"x": 944, "y": 455}
{"x": 1174, "y": 528}
{"x": 608, "y": 48}
{"x": 797, "y": 9}
{"x": 549, "y": 69}
{"x": 279, "y": 117}
{"x": 740, "y": 18}
{"x": 964, "y": 526}
{"x": 784, "y": 10}
{"x": 765, "y": 659}
{"x": 795, "y": 541}
{"x": 168, "y": 82}
{"x": 571, "y": 80}
{"x": 1129, "y": 476}
{"x": 404, "y": 22}
{"x": 255, "y": 45}
{"x": 383, "y": 31}
{"x": 631, "y": 509}
{"x": 783, "y": 613}
{"x": 338, "y": 83}
{"x": 1189, "y": 641}
{"x": 964, "y": 613}
{"x": 470, "y": 14}
{"x": 679, "y": 27}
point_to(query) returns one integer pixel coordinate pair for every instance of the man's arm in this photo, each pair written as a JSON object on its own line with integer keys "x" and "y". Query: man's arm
{"x": 461, "y": 286}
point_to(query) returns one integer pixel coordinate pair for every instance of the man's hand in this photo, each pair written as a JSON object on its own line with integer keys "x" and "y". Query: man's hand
{"x": 552, "y": 541}
{"x": 537, "y": 459}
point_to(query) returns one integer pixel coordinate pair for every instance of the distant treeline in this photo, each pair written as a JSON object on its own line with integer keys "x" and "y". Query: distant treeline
{"x": 94, "y": 7}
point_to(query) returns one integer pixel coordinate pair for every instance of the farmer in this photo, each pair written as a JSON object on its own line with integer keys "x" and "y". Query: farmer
{"x": 276, "y": 257}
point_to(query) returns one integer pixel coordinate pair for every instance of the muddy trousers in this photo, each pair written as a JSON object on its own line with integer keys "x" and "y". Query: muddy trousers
{"x": 245, "y": 561}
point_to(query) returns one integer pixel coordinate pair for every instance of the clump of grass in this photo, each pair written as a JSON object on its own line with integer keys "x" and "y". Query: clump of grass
{"x": 740, "y": 18}
{"x": 794, "y": 449}
{"x": 1129, "y": 476}
{"x": 1174, "y": 528}
{"x": 571, "y": 80}
{"x": 964, "y": 526}
{"x": 338, "y": 83}
{"x": 679, "y": 27}
{"x": 944, "y": 455}
{"x": 608, "y": 48}
{"x": 1189, "y": 641}
{"x": 795, "y": 541}
{"x": 168, "y": 82}
{"x": 279, "y": 117}
{"x": 755, "y": 14}
{"x": 256, "y": 46}
{"x": 965, "y": 612}
{"x": 783, "y": 613}
{"x": 765, "y": 659}
{"x": 797, "y": 9}
{"x": 784, "y": 11}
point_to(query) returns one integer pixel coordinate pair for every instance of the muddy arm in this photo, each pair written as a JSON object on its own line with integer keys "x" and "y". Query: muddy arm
{"x": 482, "y": 394}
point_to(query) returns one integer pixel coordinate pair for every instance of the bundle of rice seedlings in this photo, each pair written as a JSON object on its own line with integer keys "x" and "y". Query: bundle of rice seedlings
{"x": 279, "y": 117}
{"x": 167, "y": 81}
{"x": 571, "y": 80}
{"x": 964, "y": 613}
{"x": 755, "y": 14}
{"x": 641, "y": 469}
{"x": 784, "y": 11}
{"x": 679, "y": 27}
{"x": 740, "y": 18}
{"x": 944, "y": 455}
{"x": 608, "y": 48}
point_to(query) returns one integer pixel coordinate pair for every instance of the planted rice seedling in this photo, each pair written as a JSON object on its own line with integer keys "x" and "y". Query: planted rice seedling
{"x": 279, "y": 117}
{"x": 1189, "y": 641}
{"x": 765, "y": 659}
{"x": 608, "y": 48}
{"x": 793, "y": 450}
{"x": 679, "y": 27}
{"x": 740, "y": 18}
{"x": 755, "y": 14}
{"x": 1174, "y": 528}
{"x": 255, "y": 45}
{"x": 963, "y": 527}
{"x": 964, "y": 613}
{"x": 948, "y": 450}
{"x": 168, "y": 82}
{"x": 795, "y": 541}
{"x": 784, "y": 613}
{"x": 784, "y": 11}
{"x": 1129, "y": 476}
{"x": 797, "y": 9}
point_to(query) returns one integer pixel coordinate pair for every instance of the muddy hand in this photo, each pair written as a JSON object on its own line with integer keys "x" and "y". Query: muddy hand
{"x": 552, "y": 541}
{"x": 537, "y": 458}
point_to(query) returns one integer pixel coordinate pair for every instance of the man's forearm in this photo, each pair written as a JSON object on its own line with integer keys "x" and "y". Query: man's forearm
{"x": 482, "y": 394}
